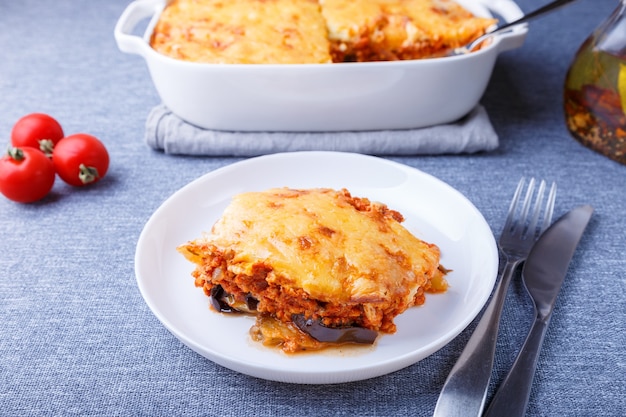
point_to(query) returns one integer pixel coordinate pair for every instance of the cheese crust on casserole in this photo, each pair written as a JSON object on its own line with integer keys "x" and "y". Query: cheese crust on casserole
{"x": 387, "y": 30}
{"x": 242, "y": 32}
{"x": 312, "y": 31}
{"x": 319, "y": 253}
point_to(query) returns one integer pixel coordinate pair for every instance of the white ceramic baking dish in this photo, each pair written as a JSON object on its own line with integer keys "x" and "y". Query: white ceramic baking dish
{"x": 320, "y": 97}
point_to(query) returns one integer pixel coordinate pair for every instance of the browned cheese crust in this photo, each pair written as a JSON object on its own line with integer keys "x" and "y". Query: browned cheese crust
{"x": 312, "y": 31}
{"x": 242, "y": 32}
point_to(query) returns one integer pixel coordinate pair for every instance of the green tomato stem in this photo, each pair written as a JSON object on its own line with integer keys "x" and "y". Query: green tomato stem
{"x": 15, "y": 153}
{"x": 46, "y": 146}
{"x": 87, "y": 174}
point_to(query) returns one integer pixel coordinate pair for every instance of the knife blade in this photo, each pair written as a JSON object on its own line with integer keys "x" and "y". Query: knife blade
{"x": 543, "y": 274}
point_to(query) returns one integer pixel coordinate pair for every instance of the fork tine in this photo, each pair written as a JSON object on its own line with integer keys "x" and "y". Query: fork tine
{"x": 508, "y": 224}
{"x": 526, "y": 206}
{"x": 532, "y": 226}
{"x": 547, "y": 219}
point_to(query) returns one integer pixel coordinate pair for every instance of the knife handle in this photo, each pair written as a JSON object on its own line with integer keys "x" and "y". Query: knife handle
{"x": 511, "y": 399}
{"x": 464, "y": 392}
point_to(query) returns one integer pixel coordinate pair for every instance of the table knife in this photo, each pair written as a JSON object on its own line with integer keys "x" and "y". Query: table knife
{"x": 543, "y": 274}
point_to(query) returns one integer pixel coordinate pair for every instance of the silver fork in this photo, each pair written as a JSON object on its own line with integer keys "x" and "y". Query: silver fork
{"x": 465, "y": 389}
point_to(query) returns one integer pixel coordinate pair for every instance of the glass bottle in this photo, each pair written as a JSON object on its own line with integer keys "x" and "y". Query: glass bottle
{"x": 595, "y": 89}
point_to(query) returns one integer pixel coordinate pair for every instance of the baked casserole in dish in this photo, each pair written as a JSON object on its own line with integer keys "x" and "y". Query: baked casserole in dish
{"x": 317, "y": 65}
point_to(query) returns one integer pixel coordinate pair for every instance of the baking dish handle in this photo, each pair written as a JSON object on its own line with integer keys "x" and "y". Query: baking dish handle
{"x": 133, "y": 14}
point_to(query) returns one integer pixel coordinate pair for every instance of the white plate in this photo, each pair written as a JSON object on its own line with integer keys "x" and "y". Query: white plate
{"x": 434, "y": 211}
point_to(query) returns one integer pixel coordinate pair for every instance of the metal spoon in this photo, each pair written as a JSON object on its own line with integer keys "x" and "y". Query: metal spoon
{"x": 509, "y": 26}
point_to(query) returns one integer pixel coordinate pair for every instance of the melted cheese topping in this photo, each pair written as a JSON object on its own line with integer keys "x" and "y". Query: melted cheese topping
{"x": 317, "y": 253}
{"x": 308, "y": 31}
{"x": 243, "y": 31}
{"x": 317, "y": 240}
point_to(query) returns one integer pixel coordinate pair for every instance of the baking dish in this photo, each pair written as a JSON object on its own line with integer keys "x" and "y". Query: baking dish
{"x": 320, "y": 97}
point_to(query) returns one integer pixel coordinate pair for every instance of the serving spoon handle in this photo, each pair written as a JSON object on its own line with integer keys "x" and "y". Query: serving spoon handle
{"x": 536, "y": 13}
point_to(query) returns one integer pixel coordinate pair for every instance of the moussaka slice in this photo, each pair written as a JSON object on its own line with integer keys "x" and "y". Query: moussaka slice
{"x": 317, "y": 266}
{"x": 242, "y": 32}
{"x": 387, "y": 30}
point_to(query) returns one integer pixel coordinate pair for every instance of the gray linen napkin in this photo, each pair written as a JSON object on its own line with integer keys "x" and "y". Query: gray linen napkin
{"x": 168, "y": 133}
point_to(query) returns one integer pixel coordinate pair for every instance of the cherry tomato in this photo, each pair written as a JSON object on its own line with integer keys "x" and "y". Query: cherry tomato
{"x": 26, "y": 175}
{"x": 37, "y": 130}
{"x": 80, "y": 159}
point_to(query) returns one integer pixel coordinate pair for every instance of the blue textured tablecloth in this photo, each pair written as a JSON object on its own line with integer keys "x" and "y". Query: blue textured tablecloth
{"x": 76, "y": 338}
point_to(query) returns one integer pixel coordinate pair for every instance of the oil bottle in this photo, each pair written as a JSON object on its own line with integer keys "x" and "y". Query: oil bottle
{"x": 595, "y": 89}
